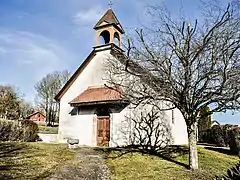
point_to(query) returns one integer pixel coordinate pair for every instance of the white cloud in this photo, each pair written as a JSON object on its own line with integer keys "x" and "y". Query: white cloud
{"x": 25, "y": 47}
{"x": 26, "y": 57}
{"x": 88, "y": 16}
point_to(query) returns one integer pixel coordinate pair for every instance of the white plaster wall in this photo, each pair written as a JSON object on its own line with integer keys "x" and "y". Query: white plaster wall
{"x": 164, "y": 121}
{"x": 120, "y": 129}
{"x": 81, "y": 126}
{"x": 177, "y": 124}
{"x": 76, "y": 127}
{"x": 178, "y": 127}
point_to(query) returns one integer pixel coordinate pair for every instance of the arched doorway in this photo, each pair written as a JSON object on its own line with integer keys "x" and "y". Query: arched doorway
{"x": 103, "y": 126}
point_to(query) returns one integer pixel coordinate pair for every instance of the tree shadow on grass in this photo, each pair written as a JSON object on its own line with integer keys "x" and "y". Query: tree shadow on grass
{"x": 7, "y": 152}
{"x": 169, "y": 153}
{"x": 15, "y": 159}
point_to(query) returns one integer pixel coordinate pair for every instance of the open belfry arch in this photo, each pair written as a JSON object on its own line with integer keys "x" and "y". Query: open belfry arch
{"x": 109, "y": 28}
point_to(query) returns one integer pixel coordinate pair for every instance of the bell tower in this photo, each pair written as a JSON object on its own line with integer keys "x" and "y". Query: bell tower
{"x": 109, "y": 30}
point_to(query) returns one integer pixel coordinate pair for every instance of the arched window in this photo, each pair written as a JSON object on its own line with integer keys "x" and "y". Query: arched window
{"x": 116, "y": 39}
{"x": 105, "y": 37}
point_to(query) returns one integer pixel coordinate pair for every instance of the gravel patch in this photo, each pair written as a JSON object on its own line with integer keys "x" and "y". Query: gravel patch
{"x": 88, "y": 164}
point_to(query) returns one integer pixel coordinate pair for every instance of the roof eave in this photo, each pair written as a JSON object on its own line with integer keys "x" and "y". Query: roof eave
{"x": 117, "y": 26}
{"x": 78, "y": 104}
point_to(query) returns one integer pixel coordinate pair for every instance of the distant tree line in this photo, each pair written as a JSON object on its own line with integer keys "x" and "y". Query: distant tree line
{"x": 47, "y": 88}
{"x": 13, "y": 106}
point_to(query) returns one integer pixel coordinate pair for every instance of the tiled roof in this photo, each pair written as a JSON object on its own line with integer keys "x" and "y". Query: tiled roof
{"x": 110, "y": 18}
{"x": 34, "y": 114}
{"x": 97, "y": 94}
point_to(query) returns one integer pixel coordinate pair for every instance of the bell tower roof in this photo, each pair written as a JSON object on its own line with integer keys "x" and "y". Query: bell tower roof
{"x": 109, "y": 18}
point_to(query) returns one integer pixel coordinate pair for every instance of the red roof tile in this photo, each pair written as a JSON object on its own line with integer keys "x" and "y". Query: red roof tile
{"x": 96, "y": 94}
{"x": 34, "y": 114}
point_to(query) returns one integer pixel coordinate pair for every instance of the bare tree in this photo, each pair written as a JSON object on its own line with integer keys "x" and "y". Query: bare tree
{"x": 189, "y": 66}
{"x": 26, "y": 108}
{"x": 47, "y": 88}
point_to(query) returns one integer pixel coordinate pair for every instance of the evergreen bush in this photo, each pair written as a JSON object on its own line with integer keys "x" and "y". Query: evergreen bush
{"x": 234, "y": 143}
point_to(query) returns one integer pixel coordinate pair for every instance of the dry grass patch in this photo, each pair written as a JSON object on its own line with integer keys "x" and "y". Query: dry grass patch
{"x": 32, "y": 160}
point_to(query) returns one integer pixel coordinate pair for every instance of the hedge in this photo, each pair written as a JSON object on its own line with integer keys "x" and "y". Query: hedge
{"x": 234, "y": 143}
{"x": 17, "y": 130}
{"x": 223, "y": 135}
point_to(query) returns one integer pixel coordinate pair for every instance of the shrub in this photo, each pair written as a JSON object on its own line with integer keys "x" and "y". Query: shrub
{"x": 5, "y": 130}
{"x": 18, "y": 131}
{"x": 218, "y": 134}
{"x": 234, "y": 143}
{"x": 232, "y": 174}
{"x": 30, "y": 130}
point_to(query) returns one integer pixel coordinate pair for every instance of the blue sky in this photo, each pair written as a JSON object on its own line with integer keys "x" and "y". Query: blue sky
{"x": 40, "y": 36}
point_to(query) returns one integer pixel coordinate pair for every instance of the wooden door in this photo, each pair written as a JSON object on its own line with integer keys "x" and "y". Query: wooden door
{"x": 103, "y": 130}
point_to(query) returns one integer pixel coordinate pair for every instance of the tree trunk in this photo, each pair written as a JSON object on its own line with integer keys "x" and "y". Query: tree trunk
{"x": 192, "y": 141}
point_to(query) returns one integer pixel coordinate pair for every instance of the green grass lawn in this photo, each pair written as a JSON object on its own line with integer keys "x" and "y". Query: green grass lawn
{"x": 31, "y": 160}
{"x": 47, "y": 129}
{"x": 138, "y": 166}
{"x": 39, "y": 160}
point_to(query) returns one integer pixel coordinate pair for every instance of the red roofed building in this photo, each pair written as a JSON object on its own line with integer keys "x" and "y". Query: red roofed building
{"x": 36, "y": 116}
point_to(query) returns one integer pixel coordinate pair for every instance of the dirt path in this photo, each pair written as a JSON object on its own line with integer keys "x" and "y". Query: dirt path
{"x": 87, "y": 165}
